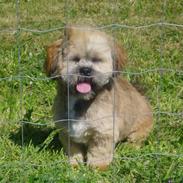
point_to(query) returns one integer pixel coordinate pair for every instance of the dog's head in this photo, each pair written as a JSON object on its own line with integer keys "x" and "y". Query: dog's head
{"x": 85, "y": 60}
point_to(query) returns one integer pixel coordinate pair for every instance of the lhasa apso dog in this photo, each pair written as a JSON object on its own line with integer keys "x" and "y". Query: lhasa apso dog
{"x": 95, "y": 107}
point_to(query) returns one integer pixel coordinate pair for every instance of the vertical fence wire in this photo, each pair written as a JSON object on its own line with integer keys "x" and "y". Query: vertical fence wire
{"x": 66, "y": 9}
{"x": 18, "y": 34}
{"x": 160, "y": 83}
{"x": 19, "y": 69}
{"x": 113, "y": 6}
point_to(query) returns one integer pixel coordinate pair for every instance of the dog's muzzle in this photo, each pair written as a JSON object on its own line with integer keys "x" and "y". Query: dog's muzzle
{"x": 84, "y": 82}
{"x": 85, "y": 71}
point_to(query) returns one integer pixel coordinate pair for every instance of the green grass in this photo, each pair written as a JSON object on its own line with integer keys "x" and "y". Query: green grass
{"x": 41, "y": 158}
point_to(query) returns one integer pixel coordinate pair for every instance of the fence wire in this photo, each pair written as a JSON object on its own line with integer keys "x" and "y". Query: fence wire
{"x": 114, "y": 26}
{"x": 162, "y": 24}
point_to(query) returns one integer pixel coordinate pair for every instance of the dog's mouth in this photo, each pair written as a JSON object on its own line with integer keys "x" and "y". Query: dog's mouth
{"x": 83, "y": 87}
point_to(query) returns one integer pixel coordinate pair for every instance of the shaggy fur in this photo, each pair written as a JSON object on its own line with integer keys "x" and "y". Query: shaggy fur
{"x": 89, "y": 136}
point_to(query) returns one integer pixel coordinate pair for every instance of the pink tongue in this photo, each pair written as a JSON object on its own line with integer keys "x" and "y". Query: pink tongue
{"x": 83, "y": 87}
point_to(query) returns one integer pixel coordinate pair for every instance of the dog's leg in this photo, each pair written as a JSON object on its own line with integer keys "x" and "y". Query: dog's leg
{"x": 140, "y": 132}
{"x": 100, "y": 152}
{"x": 73, "y": 150}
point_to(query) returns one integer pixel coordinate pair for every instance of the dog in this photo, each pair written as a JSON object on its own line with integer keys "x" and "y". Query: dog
{"x": 95, "y": 108}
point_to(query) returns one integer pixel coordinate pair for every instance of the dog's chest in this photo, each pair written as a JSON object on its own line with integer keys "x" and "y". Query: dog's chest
{"x": 80, "y": 129}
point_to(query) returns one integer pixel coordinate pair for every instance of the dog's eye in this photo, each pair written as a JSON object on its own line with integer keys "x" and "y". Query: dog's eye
{"x": 96, "y": 59}
{"x": 76, "y": 58}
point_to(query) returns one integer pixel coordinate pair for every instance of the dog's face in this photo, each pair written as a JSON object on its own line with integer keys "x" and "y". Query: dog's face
{"x": 85, "y": 61}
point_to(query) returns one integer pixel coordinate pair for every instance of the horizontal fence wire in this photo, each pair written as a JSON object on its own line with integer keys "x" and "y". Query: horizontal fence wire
{"x": 145, "y": 71}
{"x": 128, "y": 158}
{"x": 178, "y": 114}
{"x": 175, "y": 114}
{"x": 117, "y": 26}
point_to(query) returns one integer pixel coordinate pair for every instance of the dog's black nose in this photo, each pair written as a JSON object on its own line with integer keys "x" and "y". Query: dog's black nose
{"x": 85, "y": 71}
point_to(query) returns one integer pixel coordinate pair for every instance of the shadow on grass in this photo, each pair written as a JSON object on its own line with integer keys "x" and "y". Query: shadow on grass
{"x": 37, "y": 136}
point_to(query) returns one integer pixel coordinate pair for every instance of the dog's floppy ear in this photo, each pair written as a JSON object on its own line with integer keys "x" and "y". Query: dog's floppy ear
{"x": 52, "y": 57}
{"x": 120, "y": 57}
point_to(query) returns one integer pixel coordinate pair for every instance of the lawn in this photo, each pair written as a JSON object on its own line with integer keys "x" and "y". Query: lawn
{"x": 29, "y": 147}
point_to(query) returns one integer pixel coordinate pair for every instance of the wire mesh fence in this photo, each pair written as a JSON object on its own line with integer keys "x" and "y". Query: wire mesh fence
{"x": 25, "y": 78}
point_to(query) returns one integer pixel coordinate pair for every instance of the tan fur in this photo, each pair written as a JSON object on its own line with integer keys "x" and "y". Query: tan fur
{"x": 52, "y": 53}
{"x": 128, "y": 114}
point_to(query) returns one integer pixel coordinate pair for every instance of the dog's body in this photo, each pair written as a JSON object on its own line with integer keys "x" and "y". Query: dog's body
{"x": 102, "y": 108}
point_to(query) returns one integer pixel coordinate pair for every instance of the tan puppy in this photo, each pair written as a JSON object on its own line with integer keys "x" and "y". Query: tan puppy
{"x": 87, "y": 86}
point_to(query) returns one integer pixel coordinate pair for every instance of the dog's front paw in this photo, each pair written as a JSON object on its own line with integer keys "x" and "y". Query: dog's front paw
{"x": 101, "y": 163}
{"x": 76, "y": 160}
{"x": 100, "y": 152}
